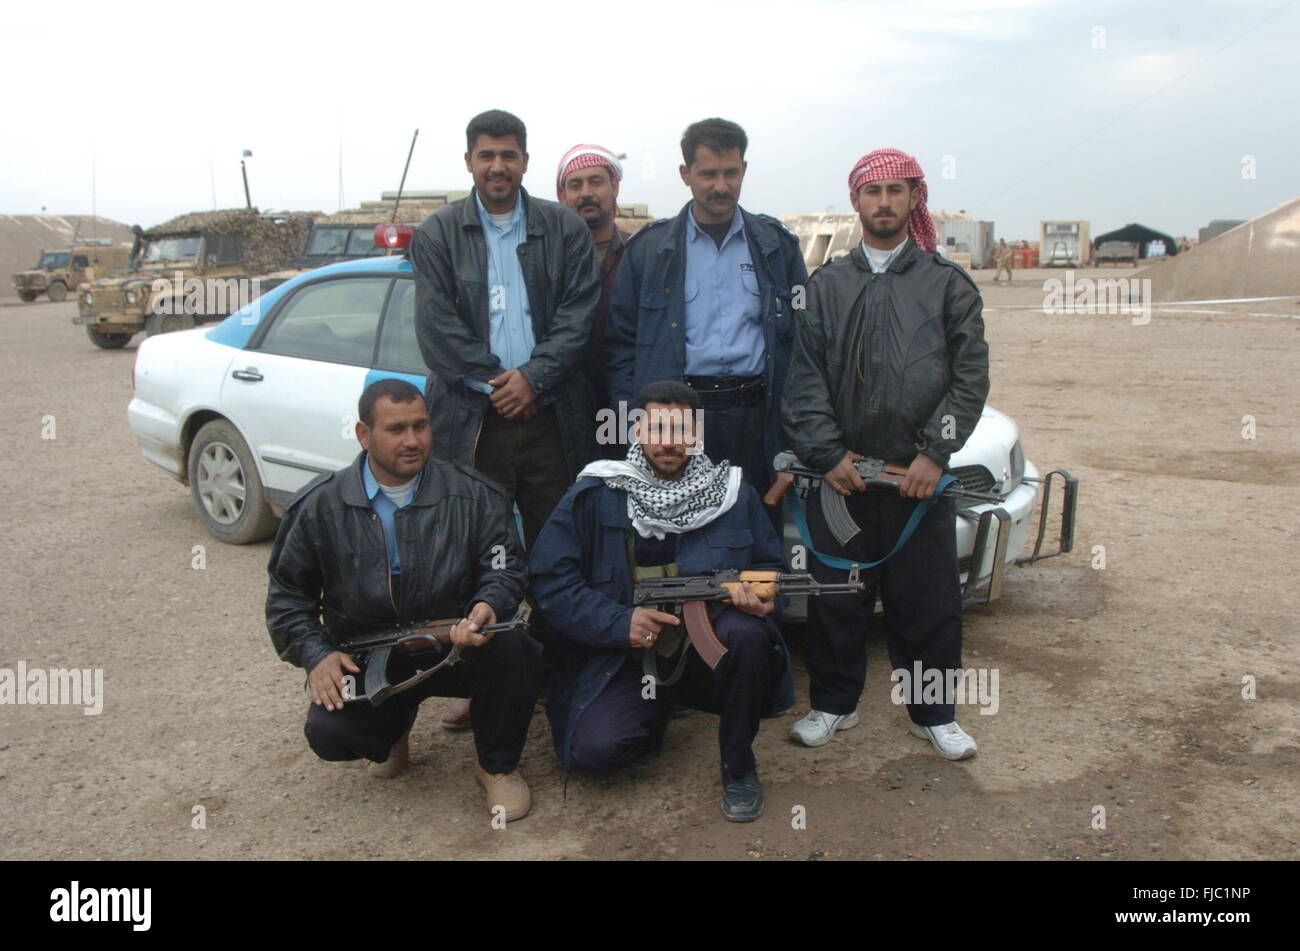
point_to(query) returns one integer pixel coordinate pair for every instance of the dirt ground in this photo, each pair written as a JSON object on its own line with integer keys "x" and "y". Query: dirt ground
{"x": 1120, "y": 687}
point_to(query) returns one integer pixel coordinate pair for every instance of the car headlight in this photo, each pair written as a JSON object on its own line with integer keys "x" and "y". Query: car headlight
{"x": 1017, "y": 467}
{"x": 87, "y": 300}
{"x": 130, "y": 297}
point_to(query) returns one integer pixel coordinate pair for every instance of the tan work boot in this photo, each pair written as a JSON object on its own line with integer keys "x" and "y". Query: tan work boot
{"x": 455, "y": 715}
{"x": 398, "y": 757}
{"x": 505, "y": 789}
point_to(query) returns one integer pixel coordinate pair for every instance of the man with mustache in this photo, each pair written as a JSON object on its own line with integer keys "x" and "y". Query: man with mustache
{"x": 665, "y": 511}
{"x": 395, "y": 538}
{"x": 506, "y": 293}
{"x": 890, "y": 364}
{"x": 587, "y": 181}
{"x": 706, "y": 298}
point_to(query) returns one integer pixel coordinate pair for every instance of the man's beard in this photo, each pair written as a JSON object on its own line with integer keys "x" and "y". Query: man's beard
{"x": 668, "y": 474}
{"x": 884, "y": 227}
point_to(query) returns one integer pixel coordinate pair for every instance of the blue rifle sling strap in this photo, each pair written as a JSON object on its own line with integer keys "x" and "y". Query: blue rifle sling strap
{"x": 831, "y": 561}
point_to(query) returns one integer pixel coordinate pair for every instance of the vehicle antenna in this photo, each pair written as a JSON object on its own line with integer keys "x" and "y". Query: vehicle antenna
{"x": 393, "y": 218}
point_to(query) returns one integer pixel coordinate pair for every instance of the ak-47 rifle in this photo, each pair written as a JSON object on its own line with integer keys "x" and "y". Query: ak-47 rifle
{"x": 376, "y": 649}
{"x": 876, "y": 473}
{"x": 687, "y": 597}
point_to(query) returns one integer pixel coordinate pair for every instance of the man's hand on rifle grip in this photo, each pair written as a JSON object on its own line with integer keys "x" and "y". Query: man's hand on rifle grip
{"x": 922, "y": 478}
{"x": 325, "y": 680}
{"x": 466, "y": 632}
{"x": 844, "y": 478}
{"x": 646, "y": 624}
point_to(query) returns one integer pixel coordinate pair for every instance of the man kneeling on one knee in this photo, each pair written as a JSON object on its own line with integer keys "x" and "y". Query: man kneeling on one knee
{"x": 665, "y": 511}
{"x": 396, "y": 538}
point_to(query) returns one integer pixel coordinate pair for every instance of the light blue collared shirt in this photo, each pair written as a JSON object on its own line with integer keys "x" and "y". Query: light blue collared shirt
{"x": 724, "y": 328}
{"x": 509, "y": 314}
{"x": 384, "y": 507}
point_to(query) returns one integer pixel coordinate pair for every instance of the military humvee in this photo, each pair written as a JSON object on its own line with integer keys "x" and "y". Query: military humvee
{"x": 57, "y": 271}
{"x": 200, "y": 266}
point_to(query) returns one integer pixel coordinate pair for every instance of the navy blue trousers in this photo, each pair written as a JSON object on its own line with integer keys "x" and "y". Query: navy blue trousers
{"x": 920, "y": 588}
{"x": 502, "y": 678}
{"x": 620, "y": 728}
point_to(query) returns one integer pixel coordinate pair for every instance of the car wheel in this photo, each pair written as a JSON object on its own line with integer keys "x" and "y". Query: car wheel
{"x": 58, "y": 291}
{"x": 167, "y": 323}
{"x": 107, "y": 341}
{"x": 227, "y": 490}
{"x": 27, "y": 296}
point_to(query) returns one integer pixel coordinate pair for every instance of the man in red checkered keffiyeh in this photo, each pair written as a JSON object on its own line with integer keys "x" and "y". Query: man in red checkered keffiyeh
{"x": 884, "y": 222}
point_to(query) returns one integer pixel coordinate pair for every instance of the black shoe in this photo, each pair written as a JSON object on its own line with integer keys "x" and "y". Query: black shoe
{"x": 742, "y": 798}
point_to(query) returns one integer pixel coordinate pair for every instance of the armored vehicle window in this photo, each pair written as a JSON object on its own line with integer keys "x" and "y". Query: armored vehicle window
{"x": 172, "y": 249}
{"x": 334, "y": 321}
{"x": 53, "y": 259}
{"x": 81, "y": 261}
{"x": 327, "y": 241}
{"x": 398, "y": 348}
{"x": 223, "y": 249}
{"x": 362, "y": 242}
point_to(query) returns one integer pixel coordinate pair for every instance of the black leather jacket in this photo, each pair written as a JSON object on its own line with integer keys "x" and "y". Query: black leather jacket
{"x": 330, "y": 560}
{"x": 558, "y": 260}
{"x": 887, "y": 365}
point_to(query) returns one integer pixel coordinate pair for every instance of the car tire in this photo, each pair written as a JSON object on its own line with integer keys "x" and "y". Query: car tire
{"x": 57, "y": 291}
{"x": 107, "y": 341}
{"x": 27, "y": 296}
{"x": 226, "y": 488}
{"x": 156, "y": 324}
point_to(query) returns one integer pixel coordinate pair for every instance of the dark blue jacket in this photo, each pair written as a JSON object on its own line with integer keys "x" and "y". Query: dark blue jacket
{"x": 581, "y": 580}
{"x": 645, "y": 338}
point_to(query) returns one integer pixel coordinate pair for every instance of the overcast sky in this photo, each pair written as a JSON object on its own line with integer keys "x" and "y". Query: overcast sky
{"x": 1110, "y": 111}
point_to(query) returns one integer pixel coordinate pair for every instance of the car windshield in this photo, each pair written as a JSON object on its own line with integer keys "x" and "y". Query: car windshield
{"x": 327, "y": 241}
{"x": 362, "y": 242}
{"x": 172, "y": 249}
{"x": 51, "y": 259}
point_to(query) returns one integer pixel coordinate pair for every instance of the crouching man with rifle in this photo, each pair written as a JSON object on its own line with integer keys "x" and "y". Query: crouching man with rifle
{"x": 665, "y": 512}
{"x": 362, "y": 557}
{"x": 888, "y": 379}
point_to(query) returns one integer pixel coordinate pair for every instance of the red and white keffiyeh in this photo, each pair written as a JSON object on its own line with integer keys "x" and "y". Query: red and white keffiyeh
{"x": 893, "y": 163}
{"x": 585, "y": 156}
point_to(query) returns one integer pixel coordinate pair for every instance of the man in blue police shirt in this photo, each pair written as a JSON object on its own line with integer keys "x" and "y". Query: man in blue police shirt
{"x": 706, "y": 298}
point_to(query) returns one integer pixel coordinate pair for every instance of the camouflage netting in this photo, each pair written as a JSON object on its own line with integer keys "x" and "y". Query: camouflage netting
{"x": 407, "y": 213}
{"x": 269, "y": 241}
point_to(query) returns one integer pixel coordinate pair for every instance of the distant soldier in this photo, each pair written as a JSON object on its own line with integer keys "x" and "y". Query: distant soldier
{"x": 1002, "y": 257}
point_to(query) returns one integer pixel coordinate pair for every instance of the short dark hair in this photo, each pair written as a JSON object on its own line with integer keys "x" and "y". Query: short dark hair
{"x": 668, "y": 392}
{"x": 720, "y": 135}
{"x": 399, "y": 391}
{"x": 497, "y": 124}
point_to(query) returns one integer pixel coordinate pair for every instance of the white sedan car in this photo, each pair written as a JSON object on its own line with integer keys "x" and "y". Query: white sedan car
{"x": 251, "y": 410}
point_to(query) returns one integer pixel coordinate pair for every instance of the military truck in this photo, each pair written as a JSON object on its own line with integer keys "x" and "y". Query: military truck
{"x": 196, "y": 267}
{"x": 57, "y": 272}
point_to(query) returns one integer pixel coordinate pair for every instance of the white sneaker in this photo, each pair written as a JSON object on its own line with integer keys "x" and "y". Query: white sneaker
{"x": 817, "y": 728}
{"x": 949, "y": 739}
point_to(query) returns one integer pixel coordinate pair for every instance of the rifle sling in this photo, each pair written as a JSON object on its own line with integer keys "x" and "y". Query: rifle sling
{"x": 831, "y": 561}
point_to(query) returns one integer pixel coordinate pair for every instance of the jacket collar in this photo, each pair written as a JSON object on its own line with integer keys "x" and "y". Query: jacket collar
{"x": 353, "y": 489}
{"x": 755, "y": 230}
{"x": 469, "y": 212}
{"x": 904, "y": 259}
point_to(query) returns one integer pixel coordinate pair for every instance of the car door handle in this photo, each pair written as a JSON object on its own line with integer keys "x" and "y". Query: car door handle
{"x": 250, "y": 374}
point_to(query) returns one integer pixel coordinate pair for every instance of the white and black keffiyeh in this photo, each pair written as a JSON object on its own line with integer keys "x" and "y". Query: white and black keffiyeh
{"x": 658, "y": 507}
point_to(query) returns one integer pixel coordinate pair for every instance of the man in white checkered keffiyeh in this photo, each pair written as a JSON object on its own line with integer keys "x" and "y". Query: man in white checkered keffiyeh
{"x": 672, "y": 487}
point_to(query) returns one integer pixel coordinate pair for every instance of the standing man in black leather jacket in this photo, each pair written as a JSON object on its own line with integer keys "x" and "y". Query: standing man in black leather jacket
{"x": 890, "y": 363}
{"x": 506, "y": 296}
{"x": 399, "y": 537}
